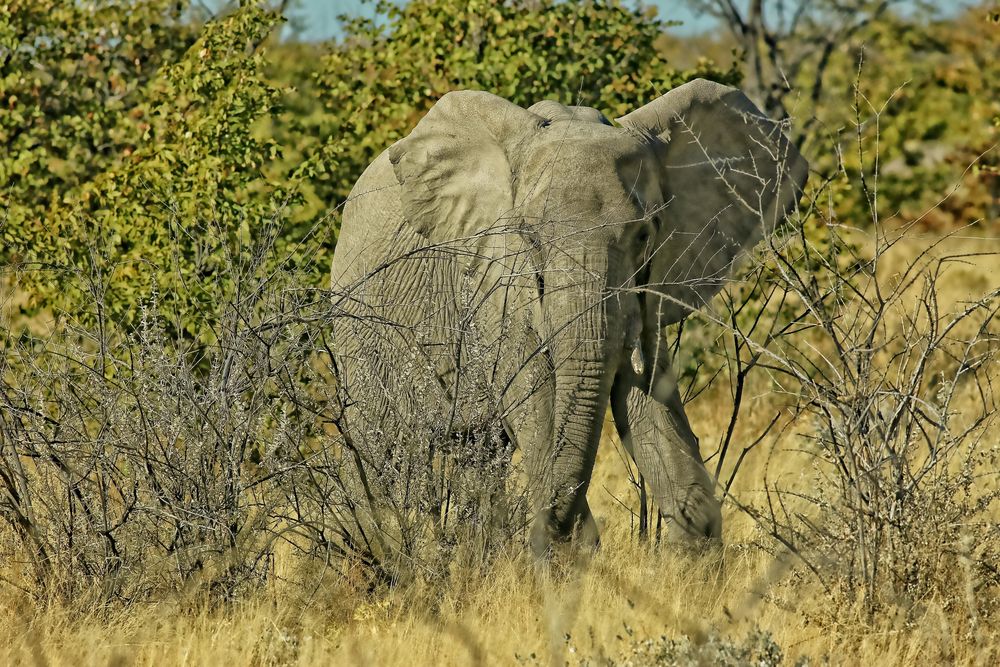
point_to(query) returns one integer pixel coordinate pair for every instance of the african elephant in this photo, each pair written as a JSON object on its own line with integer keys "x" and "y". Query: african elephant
{"x": 557, "y": 246}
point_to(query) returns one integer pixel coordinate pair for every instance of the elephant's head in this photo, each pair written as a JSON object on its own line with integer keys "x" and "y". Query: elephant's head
{"x": 629, "y": 227}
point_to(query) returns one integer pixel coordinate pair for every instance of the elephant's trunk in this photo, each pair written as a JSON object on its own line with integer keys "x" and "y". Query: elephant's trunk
{"x": 586, "y": 337}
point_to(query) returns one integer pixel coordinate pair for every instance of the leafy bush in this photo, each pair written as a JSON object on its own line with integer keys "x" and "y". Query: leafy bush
{"x": 182, "y": 191}
{"x": 922, "y": 95}
{"x": 133, "y": 469}
{"x": 72, "y": 76}
{"x": 146, "y": 148}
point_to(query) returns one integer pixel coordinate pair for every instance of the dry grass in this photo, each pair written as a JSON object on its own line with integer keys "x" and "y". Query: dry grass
{"x": 503, "y": 616}
{"x": 595, "y": 610}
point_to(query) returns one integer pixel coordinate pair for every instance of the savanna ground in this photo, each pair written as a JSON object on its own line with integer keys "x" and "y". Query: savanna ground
{"x": 634, "y": 602}
{"x": 863, "y": 526}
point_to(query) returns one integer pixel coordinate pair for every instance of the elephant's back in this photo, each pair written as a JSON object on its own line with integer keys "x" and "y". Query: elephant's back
{"x": 380, "y": 272}
{"x": 370, "y": 226}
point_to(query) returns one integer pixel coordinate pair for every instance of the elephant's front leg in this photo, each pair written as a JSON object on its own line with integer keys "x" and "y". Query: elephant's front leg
{"x": 562, "y": 513}
{"x": 650, "y": 419}
{"x": 557, "y": 480}
{"x": 557, "y": 484}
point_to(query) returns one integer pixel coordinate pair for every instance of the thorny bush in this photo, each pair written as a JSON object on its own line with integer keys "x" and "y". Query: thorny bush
{"x": 889, "y": 387}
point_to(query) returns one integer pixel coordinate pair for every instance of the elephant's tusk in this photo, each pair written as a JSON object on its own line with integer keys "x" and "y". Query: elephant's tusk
{"x": 638, "y": 361}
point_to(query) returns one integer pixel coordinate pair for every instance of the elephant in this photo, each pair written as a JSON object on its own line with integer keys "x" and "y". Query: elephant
{"x": 556, "y": 245}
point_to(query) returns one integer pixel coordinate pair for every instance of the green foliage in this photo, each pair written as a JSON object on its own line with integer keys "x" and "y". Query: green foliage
{"x": 152, "y": 186}
{"x": 924, "y": 95}
{"x": 70, "y": 73}
{"x": 148, "y": 151}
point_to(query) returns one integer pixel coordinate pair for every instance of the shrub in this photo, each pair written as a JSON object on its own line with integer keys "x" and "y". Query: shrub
{"x": 757, "y": 649}
{"x": 133, "y": 467}
{"x": 892, "y": 391}
{"x": 168, "y": 178}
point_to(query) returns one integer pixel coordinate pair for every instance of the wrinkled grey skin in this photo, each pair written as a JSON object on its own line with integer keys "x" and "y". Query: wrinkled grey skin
{"x": 575, "y": 242}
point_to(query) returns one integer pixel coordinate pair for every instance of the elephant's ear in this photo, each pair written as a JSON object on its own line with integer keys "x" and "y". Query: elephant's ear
{"x": 454, "y": 170}
{"x": 729, "y": 176}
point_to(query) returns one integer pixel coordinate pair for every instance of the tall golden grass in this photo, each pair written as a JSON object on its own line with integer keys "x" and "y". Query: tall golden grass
{"x": 611, "y": 607}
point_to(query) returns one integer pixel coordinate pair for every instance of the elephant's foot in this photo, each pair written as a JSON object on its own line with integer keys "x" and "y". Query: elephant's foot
{"x": 579, "y": 531}
{"x": 694, "y": 518}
